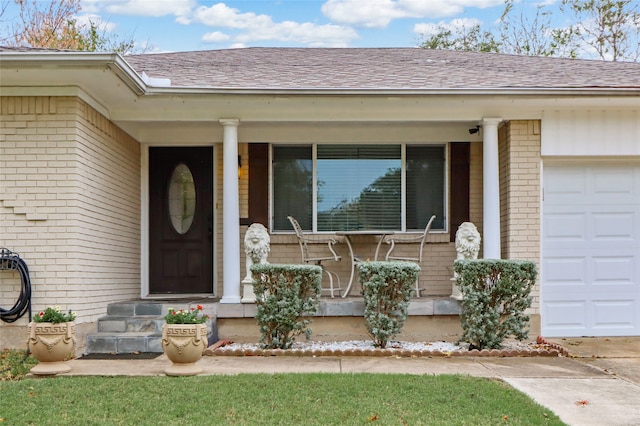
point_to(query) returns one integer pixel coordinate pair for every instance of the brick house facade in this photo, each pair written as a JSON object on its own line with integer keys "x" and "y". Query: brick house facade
{"x": 75, "y": 143}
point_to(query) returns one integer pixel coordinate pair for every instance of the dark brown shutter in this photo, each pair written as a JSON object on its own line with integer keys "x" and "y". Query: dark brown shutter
{"x": 460, "y": 154}
{"x": 259, "y": 183}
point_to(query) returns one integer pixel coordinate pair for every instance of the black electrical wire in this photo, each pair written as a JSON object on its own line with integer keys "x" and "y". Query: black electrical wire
{"x": 12, "y": 261}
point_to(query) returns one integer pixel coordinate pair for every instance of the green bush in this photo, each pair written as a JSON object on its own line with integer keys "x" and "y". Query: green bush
{"x": 387, "y": 288}
{"x": 496, "y": 294}
{"x": 286, "y": 299}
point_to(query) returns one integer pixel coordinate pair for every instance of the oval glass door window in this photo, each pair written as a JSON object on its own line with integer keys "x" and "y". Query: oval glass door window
{"x": 181, "y": 198}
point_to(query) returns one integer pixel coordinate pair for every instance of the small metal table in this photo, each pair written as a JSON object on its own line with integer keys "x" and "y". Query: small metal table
{"x": 355, "y": 259}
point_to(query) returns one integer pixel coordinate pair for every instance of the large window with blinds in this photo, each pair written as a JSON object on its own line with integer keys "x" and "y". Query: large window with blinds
{"x": 330, "y": 188}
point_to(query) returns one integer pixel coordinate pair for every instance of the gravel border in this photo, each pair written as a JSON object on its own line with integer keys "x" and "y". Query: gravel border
{"x": 541, "y": 347}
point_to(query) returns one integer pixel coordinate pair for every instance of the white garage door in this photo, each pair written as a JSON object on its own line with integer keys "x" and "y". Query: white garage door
{"x": 590, "y": 273}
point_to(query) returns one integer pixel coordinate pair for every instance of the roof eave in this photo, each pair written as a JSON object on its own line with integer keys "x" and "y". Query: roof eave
{"x": 135, "y": 82}
{"x": 113, "y": 61}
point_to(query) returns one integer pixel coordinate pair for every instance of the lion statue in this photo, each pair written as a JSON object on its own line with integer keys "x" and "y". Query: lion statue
{"x": 467, "y": 241}
{"x": 467, "y": 247}
{"x": 256, "y": 247}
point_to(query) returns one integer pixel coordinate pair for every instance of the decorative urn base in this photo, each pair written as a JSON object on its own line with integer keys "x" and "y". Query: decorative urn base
{"x": 184, "y": 344}
{"x": 52, "y": 344}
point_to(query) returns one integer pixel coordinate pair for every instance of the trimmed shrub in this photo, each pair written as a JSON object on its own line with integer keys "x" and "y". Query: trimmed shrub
{"x": 496, "y": 294}
{"x": 387, "y": 288}
{"x": 286, "y": 299}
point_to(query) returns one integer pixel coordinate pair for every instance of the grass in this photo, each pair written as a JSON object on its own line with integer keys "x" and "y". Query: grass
{"x": 15, "y": 364}
{"x": 270, "y": 399}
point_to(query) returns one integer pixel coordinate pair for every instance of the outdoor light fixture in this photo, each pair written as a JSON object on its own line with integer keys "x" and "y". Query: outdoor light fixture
{"x": 474, "y": 130}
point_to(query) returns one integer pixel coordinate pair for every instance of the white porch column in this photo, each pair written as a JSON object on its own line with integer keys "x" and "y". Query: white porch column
{"x": 491, "y": 188}
{"x": 230, "y": 213}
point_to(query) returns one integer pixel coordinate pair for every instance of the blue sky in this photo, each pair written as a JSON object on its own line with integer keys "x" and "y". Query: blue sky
{"x": 180, "y": 25}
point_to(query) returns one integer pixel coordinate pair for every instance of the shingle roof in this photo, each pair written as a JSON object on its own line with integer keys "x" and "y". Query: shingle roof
{"x": 32, "y": 49}
{"x": 379, "y": 68}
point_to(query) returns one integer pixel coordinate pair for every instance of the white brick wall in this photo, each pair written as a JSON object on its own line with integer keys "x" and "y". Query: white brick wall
{"x": 520, "y": 194}
{"x": 69, "y": 204}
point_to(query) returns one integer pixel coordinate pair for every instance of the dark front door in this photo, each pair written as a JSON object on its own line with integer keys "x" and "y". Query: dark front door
{"x": 180, "y": 220}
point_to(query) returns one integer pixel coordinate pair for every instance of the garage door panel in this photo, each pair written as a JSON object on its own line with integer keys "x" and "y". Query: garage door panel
{"x": 562, "y": 184}
{"x": 602, "y": 271}
{"x": 567, "y": 227}
{"x": 590, "y": 271}
{"x": 611, "y": 269}
{"x": 614, "y": 226}
{"x": 564, "y": 270}
{"x": 613, "y": 317}
{"x": 595, "y": 184}
{"x": 608, "y": 181}
{"x": 565, "y": 315}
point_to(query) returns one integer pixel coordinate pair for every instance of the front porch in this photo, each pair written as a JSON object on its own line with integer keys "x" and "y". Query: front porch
{"x": 136, "y": 325}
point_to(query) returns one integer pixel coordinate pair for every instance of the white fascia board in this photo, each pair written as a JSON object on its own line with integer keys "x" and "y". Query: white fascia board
{"x": 113, "y": 61}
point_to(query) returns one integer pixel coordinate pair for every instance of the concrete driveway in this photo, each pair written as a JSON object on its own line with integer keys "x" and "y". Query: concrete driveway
{"x": 605, "y": 389}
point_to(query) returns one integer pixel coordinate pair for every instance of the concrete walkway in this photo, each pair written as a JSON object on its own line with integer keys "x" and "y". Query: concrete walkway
{"x": 599, "y": 384}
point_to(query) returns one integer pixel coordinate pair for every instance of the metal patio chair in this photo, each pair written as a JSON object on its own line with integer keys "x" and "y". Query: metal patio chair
{"x": 304, "y": 241}
{"x": 410, "y": 239}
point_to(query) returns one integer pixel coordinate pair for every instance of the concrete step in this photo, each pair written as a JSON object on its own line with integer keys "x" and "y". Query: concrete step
{"x": 136, "y": 326}
{"x": 123, "y": 343}
{"x": 121, "y": 324}
{"x": 143, "y": 308}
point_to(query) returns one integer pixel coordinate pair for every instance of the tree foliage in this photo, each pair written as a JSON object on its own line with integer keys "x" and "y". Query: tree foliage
{"x": 54, "y": 25}
{"x": 466, "y": 37}
{"x": 610, "y": 28}
{"x": 602, "y": 29}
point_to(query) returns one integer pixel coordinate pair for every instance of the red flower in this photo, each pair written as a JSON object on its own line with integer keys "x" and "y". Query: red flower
{"x": 199, "y": 307}
{"x": 41, "y": 314}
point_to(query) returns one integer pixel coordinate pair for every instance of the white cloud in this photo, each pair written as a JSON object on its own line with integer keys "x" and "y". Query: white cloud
{"x": 84, "y": 21}
{"x": 215, "y": 37}
{"x": 378, "y": 13}
{"x": 305, "y": 33}
{"x": 544, "y": 3}
{"x": 155, "y": 8}
{"x": 221, "y": 15}
{"x": 90, "y": 6}
{"x": 455, "y": 26}
{"x": 253, "y": 27}
{"x": 367, "y": 13}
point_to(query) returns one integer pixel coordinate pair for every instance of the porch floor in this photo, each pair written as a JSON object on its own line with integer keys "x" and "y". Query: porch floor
{"x": 352, "y": 306}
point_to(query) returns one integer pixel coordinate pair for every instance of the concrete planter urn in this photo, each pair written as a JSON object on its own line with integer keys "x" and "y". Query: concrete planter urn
{"x": 51, "y": 344}
{"x": 184, "y": 344}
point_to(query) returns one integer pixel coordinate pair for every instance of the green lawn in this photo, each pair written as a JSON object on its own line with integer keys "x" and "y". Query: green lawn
{"x": 268, "y": 399}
